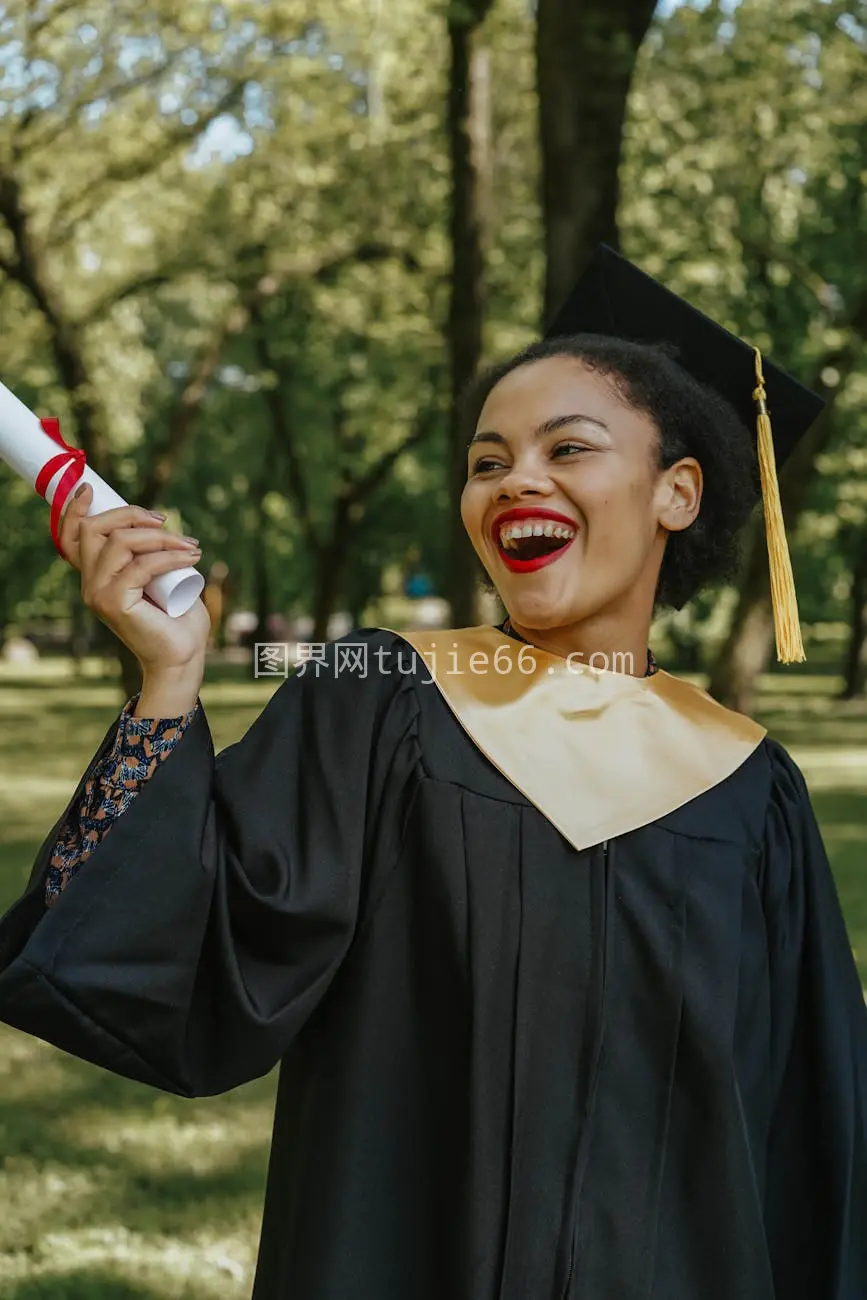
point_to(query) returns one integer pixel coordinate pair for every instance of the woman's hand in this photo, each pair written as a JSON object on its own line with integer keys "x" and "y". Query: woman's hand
{"x": 118, "y": 553}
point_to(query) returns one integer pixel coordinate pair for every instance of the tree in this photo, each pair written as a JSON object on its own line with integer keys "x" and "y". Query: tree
{"x": 78, "y": 91}
{"x": 585, "y": 58}
{"x": 310, "y": 158}
{"x": 468, "y": 128}
{"x": 359, "y": 466}
{"x": 855, "y": 663}
{"x": 742, "y": 189}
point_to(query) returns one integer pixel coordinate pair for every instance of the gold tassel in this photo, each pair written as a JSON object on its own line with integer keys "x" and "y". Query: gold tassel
{"x": 787, "y": 627}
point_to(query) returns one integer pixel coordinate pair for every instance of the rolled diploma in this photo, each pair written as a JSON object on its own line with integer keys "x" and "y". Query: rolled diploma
{"x": 26, "y": 447}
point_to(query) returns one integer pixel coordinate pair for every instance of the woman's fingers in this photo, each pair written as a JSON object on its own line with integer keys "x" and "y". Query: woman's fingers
{"x": 125, "y": 543}
{"x": 74, "y": 512}
{"x": 122, "y": 590}
{"x": 119, "y": 552}
{"x": 94, "y": 530}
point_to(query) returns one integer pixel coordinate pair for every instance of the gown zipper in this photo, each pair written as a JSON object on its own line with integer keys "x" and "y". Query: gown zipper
{"x": 595, "y": 1070}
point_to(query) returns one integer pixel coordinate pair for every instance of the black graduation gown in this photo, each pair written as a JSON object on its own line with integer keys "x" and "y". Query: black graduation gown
{"x": 510, "y": 1070}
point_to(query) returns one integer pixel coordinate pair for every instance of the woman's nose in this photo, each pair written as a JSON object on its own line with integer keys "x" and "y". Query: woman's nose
{"x": 521, "y": 481}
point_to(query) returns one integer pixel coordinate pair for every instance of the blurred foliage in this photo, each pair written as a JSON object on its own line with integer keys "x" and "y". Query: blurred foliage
{"x": 235, "y": 218}
{"x": 745, "y": 162}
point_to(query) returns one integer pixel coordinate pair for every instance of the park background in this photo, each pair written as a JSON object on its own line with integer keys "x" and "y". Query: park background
{"x": 249, "y": 254}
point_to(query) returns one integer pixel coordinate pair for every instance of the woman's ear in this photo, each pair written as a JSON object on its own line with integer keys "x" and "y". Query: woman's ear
{"x": 679, "y": 494}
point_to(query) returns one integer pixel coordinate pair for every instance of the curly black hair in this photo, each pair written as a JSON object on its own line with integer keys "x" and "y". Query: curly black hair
{"x": 692, "y": 420}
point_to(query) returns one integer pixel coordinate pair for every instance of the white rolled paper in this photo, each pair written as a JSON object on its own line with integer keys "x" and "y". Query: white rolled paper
{"x": 26, "y": 447}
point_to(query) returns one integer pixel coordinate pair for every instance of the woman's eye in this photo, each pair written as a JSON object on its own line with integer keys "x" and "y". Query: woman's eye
{"x": 488, "y": 463}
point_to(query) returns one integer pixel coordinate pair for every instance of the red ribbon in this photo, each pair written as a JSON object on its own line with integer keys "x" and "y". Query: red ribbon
{"x": 75, "y": 460}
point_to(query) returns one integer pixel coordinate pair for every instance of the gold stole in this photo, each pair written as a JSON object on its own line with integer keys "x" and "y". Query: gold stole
{"x": 599, "y": 753}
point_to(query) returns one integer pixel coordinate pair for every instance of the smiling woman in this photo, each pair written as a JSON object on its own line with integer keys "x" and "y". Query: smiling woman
{"x": 630, "y": 424}
{"x": 609, "y": 417}
{"x": 551, "y": 956}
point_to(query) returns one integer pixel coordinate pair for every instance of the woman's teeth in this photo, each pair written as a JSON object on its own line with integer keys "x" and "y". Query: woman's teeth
{"x": 512, "y": 533}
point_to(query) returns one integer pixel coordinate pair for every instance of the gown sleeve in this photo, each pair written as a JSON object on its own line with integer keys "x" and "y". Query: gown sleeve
{"x": 140, "y": 745}
{"x": 816, "y": 1180}
{"x": 210, "y": 921}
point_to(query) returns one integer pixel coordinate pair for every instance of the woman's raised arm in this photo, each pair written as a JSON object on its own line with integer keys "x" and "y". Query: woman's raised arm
{"x": 206, "y": 927}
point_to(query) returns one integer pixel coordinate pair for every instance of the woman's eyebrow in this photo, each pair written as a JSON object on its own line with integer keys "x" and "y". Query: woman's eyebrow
{"x": 561, "y": 422}
{"x": 547, "y": 426}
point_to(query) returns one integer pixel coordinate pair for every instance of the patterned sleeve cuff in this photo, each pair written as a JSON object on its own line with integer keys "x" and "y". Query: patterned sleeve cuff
{"x": 139, "y": 746}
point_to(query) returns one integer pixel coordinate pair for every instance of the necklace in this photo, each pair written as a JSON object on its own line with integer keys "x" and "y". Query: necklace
{"x": 508, "y": 629}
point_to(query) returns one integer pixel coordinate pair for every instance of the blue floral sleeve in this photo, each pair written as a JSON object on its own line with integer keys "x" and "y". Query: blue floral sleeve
{"x": 140, "y": 746}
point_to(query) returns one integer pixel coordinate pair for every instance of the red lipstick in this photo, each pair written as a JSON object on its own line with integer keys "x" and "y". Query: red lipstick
{"x": 530, "y": 512}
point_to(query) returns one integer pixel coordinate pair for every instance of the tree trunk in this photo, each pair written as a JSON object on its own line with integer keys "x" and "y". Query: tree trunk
{"x": 855, "y": 670}
{"x": 130, "y": 672}
{"x": 468, "y": 132}
{"x": 329, "y": 575}
{"x": 79, "y": 627}
{"x": 261, "y": 584}
{"x": 585, "y": 58}
{"x": 330, "y": 569}
{"x": 745, "y": 652}
{"x": 748, "y": 646}
{"x": 30, "y": 270}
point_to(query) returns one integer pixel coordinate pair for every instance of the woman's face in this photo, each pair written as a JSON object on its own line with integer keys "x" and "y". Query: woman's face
{"x": 564, "y": 503}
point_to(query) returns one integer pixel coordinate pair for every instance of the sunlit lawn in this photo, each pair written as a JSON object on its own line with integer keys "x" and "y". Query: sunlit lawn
{"x": 111, "y": 1191}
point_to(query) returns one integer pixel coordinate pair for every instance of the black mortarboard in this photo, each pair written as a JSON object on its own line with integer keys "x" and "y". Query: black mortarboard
{"x": 617, "y": 300}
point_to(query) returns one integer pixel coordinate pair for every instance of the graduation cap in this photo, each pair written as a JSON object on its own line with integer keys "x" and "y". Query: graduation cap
{"x": 615, "y": 299}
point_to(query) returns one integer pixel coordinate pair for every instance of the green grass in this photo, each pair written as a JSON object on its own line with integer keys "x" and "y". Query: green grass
{"x": 828, "y": 740}
{"x": 112, "y": 1191}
